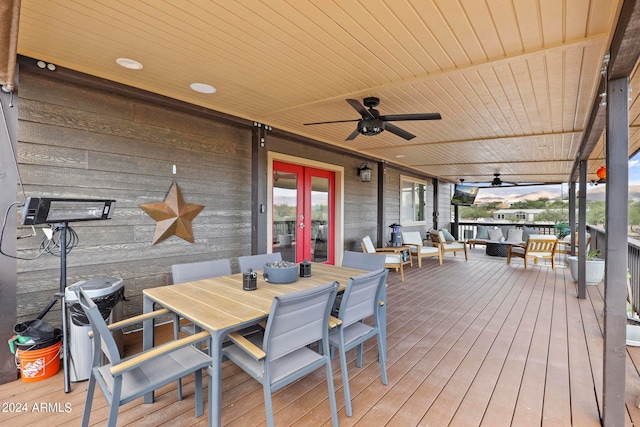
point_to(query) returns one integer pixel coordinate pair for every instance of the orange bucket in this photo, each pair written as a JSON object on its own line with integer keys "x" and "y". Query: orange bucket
{"x": 36, "y": 365}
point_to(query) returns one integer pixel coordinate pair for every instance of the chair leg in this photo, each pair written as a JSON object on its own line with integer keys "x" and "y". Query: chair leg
{"x": 345, "y": 381}
{"x": 88, "y": 401}
{"x": 199, "y": 405}
{"x": 176, "y": 335}
{"x": 332, "y": 395}
{"x": 359, "y": 355}
{"x": 115, "y": 402}
{"x": 382, "y": 359}
{"x": 268, "y": 406}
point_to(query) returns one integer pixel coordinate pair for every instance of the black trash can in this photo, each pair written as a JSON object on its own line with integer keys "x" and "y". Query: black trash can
{"x": 106, "y": 293}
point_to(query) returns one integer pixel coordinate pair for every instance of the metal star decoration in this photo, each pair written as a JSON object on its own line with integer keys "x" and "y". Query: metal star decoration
{"x": 173, "y": 216}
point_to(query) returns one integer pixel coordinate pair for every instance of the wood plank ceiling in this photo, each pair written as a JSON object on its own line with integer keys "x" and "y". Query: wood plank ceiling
{"x": 514, "y": 80}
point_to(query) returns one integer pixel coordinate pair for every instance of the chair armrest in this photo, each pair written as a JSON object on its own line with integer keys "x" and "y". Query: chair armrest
{"x": 250, "y": 348}
{"x": 389, "y": 249}
{"x": 415, "y": 245}
{"x": 334, "y": 321}
{"x": 430, "y": 243}
{"x": 135, "y": 319}
{"x": 156, "y": 352}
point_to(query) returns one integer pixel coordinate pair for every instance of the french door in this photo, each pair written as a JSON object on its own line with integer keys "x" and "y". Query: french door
{"x": 303, "y": 212}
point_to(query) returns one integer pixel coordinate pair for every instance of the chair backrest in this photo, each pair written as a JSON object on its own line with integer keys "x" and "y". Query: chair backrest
{"x": 200, "y": 270}
{"x": 257, "y": 262}
{"x": 361, "y": 296}
{"x": 102, "y": 338}
{"x": 298, "y": 319}
{"x": 437, "y": 236}
{"x": 363, "y": 261}
{"x": 542, "y": 243}
{"x": 412, "y": 237}
{"x": 367, "y": 245}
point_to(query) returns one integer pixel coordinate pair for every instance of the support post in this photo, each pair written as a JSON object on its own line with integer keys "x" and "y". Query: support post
{"x": 259, "y": 244}
{"x": 572, "y": 216}
{"x": 8, "y": 195}
{"x": 382, "y": 218}
{"x": 582, "y": 230}
{"x": 615, "y": 278}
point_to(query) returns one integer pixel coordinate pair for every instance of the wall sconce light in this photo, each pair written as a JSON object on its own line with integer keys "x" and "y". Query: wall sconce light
{"x": 364, "y": 172}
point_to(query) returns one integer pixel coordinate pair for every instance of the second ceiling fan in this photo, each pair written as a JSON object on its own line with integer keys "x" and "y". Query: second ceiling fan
{"x": 372, "y": 123}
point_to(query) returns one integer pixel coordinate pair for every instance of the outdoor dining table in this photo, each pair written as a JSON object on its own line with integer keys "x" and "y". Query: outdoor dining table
{"x": 219, "y": 305}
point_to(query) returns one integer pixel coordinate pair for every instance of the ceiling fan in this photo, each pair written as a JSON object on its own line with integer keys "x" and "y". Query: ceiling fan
{"x": 372, "y": 123}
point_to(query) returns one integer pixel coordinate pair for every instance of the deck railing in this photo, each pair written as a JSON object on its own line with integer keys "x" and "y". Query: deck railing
{"x": 633, "y": 259}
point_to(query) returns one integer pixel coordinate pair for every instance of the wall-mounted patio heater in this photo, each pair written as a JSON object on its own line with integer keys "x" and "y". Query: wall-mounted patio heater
{"x": 60, "y": 212}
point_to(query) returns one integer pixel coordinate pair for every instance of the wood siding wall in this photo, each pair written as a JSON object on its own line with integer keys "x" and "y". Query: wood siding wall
{"x": 80, "y": 142}
{"x": 76, "y": 141}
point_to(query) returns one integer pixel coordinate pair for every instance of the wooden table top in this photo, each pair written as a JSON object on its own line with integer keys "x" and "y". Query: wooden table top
{"x": 221, "y": 303}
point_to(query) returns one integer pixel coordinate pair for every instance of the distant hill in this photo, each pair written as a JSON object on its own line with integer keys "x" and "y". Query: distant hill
{"x": 488, "y": 197}
{"x": 597, "y": 193}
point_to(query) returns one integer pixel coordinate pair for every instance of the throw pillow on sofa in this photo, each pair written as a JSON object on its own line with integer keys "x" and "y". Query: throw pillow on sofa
{"x": 483, "y": 232}
{"x": 514, "y": 235}
{"x": 495, "y": 234}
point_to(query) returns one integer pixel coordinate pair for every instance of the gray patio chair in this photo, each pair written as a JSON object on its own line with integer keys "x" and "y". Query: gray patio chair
{"x": 189, "y": 272}
{"x": 363, "y": 261}
{"x": 359, "y": 301}
{"x": 280, "y": 356}
{"x": 124, "y": 380}
{"x": 257, "y": 262}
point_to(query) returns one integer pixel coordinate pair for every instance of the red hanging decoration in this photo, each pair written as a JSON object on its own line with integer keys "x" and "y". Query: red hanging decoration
{"x": 602, "y": 172}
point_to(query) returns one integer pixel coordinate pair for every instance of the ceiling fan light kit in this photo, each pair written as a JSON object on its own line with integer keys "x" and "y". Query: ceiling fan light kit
{"x": 372, "y": 123}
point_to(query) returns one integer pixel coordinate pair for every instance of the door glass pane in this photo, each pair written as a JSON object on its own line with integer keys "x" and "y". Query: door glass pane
{"x": 319, "y": 219}
{"x": 285, "y": 202}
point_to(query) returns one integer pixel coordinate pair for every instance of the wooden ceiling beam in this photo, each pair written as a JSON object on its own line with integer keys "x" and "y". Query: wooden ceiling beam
{"x": 624, "y": 52}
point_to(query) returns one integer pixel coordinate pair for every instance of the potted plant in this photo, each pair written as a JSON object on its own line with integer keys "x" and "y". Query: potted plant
{"x": 594, "y": 267}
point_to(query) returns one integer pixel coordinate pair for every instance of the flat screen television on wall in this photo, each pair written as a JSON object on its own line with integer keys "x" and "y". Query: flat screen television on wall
{"x": 464, "y": 195}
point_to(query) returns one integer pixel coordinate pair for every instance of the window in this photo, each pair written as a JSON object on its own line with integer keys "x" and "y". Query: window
{"x": 413, "y": 203}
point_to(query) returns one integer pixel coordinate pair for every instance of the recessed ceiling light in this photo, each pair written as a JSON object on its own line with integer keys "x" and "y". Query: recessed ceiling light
{"x": 399, "y": 156}
{"x": 202, "y": 87}
{"x": 129, "y": 63}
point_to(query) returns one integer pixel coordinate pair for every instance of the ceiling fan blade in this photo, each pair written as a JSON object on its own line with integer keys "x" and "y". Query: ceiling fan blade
{"x": 357, "y": 105}
{"x": 333, "y": 121}
{"x": 401, "y": 117}
{"x": 353, "y": 135}
{"x": 397, "y": 131}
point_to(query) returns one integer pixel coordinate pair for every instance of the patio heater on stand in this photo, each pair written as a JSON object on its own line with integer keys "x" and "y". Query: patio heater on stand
{"x": 59, "y": 212}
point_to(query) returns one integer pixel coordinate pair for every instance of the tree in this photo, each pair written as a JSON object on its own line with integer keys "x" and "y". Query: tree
{"x": 474, "y": 212}
{"x": 553, "y": 215}
{"x": 595, "y": 212}
{"x": 634, "y": 215}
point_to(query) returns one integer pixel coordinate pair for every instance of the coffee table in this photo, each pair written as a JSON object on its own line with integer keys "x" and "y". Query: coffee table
{"x": 497, "y": 249}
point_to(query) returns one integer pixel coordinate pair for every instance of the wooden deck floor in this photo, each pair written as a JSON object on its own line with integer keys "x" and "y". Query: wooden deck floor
{"x": 469, "y": 344}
